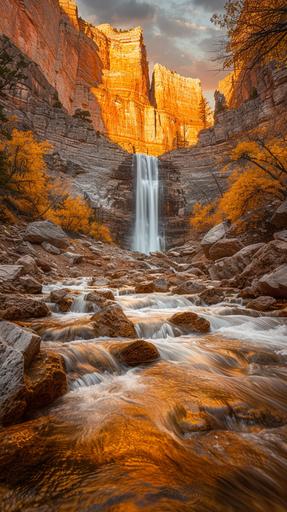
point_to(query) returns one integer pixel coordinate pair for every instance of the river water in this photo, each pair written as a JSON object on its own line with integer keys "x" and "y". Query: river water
{"x": 202, "y": 429}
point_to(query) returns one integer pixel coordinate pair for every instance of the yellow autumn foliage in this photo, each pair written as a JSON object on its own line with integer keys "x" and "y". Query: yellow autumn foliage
{"x": 27, "y": 188}
{"x": 205, "y": 216}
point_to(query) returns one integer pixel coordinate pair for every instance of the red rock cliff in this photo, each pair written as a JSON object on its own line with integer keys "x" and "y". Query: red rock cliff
{"x": 105, "y": 71}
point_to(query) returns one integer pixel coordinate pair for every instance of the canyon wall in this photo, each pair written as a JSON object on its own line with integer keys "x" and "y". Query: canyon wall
{"x": 85, "y": 162}
{"x": 105, "y": 71}
{"x": 200, "y": 168}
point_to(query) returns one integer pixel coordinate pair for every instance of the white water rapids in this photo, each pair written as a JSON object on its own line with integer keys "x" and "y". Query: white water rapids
{"x": 146, "y": 233}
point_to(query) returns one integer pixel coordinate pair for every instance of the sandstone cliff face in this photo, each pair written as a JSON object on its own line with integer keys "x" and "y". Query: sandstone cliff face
{"x": 105, "y": 71}
{"x": 199, "y": 168}
{"x": 85, "y": 162}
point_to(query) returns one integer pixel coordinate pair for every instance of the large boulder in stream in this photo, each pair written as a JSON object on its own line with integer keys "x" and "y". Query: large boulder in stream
{"x": 46, "y": 231}
{"x": 23, "y": 340}
{"x": 189, "y": 321}
{"x": 113, "y": 323}
{"x": 136, "y": 352}
{"x": 29, "y": 377}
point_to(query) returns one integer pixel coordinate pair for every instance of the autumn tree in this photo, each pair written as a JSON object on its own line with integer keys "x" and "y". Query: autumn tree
{"x": 23, "y": 181}
{"x": 256, "y": 32}
{"x": 205, "y": 113}
{"x": 259, "y": 177}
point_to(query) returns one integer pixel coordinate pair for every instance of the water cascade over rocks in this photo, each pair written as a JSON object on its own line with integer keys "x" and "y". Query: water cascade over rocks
{"x": 146, "y": 234}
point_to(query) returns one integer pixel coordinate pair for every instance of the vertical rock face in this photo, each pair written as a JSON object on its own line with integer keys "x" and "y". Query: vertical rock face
{"x": 105, "y": 71}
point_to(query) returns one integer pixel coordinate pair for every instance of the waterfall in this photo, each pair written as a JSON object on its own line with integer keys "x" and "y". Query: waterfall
{"x": 146, "y": 234}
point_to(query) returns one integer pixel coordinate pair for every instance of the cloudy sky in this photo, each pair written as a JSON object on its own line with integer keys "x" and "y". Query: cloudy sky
{"x": 177, "y": 33}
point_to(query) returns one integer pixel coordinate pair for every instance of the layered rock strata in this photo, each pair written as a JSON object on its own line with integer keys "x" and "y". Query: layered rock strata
{"x": 105, "y": 71}
{"x": 85, "y": 162}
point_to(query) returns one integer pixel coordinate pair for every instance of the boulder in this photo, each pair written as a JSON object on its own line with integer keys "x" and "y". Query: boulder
{"x": 189, "y": 288}
{"x": 231, "y": 266}
{"x": 10, "y": 272}
{"x": 262, "y": 303}
{"x": 57, "y": 295}
{"x": 224, "y": 248}
{"x": 212, "y": 296}
{"x": 212, "y": 236}
{"x": 73, "y": 257}
{"x": 107, "y": 294}
{"x": 99, "y": 300}
{"x": 279, "y": 218}
{"x": 145, "y": 287}
{"x": 19, "y": 308}
{"x": 51, "y": 249}
{"x": 113, "y": 323}
{"x": 281, "y": 235}
{"x": 269, "y": 257}
{"x": 46, "y": 231}
{"x": 28, "y": 263}
{"x": 137, "y": 352}
{"x": 161, "y": 285}
{"x": 12, "y": 396}
{"x": 44, "y": 265}
{"x": 30, "y": 284}
{"x": 190, "y": 321}
{"x": 45, "y": 380}
{"x": 274, "y": 284}
{"x": 23, "y": 340}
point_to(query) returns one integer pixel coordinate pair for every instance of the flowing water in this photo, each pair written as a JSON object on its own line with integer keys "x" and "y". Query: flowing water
{"x": 146, "y": 233}
{"x": 202, "y": 429}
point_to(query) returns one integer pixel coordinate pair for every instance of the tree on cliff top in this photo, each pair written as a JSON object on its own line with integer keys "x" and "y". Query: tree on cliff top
{"x": 256, "y": 30}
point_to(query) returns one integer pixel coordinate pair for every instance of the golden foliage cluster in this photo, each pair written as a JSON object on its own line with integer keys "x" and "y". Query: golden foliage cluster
{"x": 259, "y": 176}
{"x": 27, "y": 189}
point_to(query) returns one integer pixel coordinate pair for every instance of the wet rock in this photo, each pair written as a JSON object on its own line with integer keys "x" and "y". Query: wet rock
{"x": 99, "y": 300}
{"x": 51, "y": 249}
{"x": 231, "y": 266}
{"x": 161, "y": 285}
{"x": 135, "y": 353}
{"x": 224, "y": 248}
{"x": 212, "y": 296}
{"x": 28, "y": 263}
{"x": 279, "y": 218}
{"x": 145, "y": 287}
{"x": 113, "y": 323}
{"x": 107, "y": 294}
{"x": 10, "y": 272}
{"x": 19, "y": 308}
{"x": 45, "y": 380}
{"x": 274, "y": 283}
{"x": 73, "y": 258}
{"x": 57, "y": 296}
{"x": 212, "y": 236}
{"x": 190, "y": 288}
{"x": 262, "y": 303}
{"x": 12, "y": 396}
{"x": 22, "y": 340}
{"x": 190, "y": 321}
{"x": 46, "y": 231}
{"x": 30, "y": 284}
